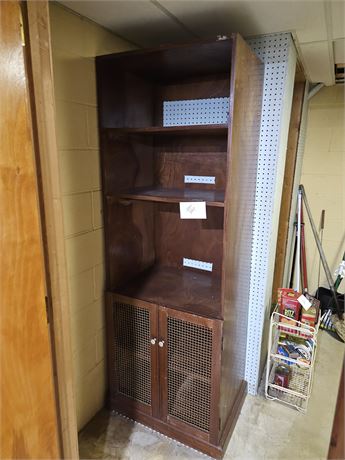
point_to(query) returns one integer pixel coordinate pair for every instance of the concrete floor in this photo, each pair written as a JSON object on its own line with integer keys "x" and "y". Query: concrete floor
{"x": 266, "y": 430}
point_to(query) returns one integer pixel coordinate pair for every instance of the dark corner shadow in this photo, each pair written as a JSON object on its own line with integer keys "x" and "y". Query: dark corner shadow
{"x": 106, "y": 436}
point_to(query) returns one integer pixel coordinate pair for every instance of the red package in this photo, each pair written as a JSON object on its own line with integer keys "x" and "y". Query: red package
{"x": 289, "y": 307}
{"x": 282, "y": 376}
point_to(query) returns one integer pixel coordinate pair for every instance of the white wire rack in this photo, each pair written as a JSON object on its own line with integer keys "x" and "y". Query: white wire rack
{"x": 299, "y": 388}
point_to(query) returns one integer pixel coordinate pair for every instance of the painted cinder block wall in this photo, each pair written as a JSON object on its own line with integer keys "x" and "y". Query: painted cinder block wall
{"x": 323, "y": 176}
{"x": 75, "y": 42}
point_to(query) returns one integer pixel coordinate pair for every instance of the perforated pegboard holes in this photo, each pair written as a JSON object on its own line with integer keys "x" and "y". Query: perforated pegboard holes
{"x": 199, "y": 180}
{"x": 199, "y": 264}
{"x": 274, "y": 51}
{"x": 196, "y": 112}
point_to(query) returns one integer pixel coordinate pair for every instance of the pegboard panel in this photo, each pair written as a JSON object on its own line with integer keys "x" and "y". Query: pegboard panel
{"x": 275, "y": 51}
{"x": 196, "y": 112}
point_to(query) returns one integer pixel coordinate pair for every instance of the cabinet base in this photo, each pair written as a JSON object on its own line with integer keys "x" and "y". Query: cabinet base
{"x": 215, "y": 451}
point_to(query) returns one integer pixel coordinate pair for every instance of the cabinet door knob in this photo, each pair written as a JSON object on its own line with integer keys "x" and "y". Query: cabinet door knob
{"x": 153, "y": 341}
{"x": 161, "y": 343}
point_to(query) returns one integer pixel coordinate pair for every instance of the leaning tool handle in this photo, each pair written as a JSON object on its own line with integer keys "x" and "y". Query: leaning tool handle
{"x": 340, "y": 273}
{"x": 322, "y": 226}
{"x": 322, "y": 254}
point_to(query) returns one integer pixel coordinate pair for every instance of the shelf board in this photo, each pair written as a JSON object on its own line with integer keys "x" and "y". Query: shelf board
{"x": 182, "y": 289}
{"x": 177, "y": 130}
{"x": 173, "y": 195}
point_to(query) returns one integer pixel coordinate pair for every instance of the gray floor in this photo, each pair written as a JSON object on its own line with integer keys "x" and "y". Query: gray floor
{"x": 266, "y": 430}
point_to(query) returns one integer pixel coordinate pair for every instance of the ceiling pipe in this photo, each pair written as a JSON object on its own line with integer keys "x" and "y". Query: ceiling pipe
{"x": 315, "y": 90}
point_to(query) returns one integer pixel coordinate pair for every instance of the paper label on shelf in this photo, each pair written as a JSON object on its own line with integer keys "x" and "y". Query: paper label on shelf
{"x": 193, "y": 210}
{"x": 304, "y": 302}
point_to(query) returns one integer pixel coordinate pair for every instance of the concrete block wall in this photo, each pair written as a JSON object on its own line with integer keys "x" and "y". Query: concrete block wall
{"x": 323, "y": 176}
{"x": 75, "y": 42}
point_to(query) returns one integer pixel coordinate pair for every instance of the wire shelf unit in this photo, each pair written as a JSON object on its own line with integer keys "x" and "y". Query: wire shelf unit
{"x": 297, "y": 393}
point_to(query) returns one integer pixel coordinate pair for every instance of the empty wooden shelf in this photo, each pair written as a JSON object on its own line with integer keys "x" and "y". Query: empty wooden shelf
{"x": 179, "y": 124}
{"x": 193, "y": 130}
{"x": 188, "y": 290}
{"x": 173, "y": 195}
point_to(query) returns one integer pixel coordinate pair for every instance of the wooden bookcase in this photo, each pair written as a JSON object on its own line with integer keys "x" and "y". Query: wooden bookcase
{"x": 176, "y": 336}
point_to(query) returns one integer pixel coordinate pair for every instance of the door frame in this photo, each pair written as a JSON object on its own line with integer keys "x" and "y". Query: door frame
{"x": 40, "y": 75}
{"x": 29, "y": 412}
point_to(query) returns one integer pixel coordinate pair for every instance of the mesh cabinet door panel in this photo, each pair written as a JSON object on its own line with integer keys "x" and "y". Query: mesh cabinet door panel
{"x": 132, "y": 351}
{"x": 189, "y": 369}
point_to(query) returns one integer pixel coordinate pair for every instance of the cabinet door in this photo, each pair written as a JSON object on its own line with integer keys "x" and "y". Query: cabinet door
{"x": 132, "y": 355}
{"x": 189, "y": 357}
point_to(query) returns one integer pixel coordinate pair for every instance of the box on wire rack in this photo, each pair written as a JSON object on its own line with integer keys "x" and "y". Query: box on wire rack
{"x": 289, "y": 307}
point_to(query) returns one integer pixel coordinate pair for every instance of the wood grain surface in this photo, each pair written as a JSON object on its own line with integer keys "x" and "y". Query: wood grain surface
{"x": 28, "y": 408}
{"x": 289, "y": 175}
{"x": 191, "y": 291}
{"x": 244, "y": 130}
{"x": 40, "y": 76}
{"x": 337, "y": 444}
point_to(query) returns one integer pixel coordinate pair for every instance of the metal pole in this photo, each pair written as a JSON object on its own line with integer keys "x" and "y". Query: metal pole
{"x": 298, "y": 253}
{"x": 322, "y": 254}
{"x": 322, "y": 226}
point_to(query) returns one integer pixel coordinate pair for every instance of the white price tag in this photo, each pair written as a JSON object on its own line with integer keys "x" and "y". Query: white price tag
{"x": 193, "y": 210}
{"x": 304, "y": 302}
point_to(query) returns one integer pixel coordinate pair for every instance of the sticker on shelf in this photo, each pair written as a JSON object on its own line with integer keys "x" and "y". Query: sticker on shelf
{"x": 199, "y": 264}
{"x": 193, "y": 210}
{"x": 304, "y": 302}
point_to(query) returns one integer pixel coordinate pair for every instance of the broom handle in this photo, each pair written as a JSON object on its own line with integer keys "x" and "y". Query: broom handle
{"x": 339, "y": 277}
{"x": 322, "y": 226}
{"x": 298, "y": 253}
{"x": 303, "y": 255}
{"x": 322, "y": 254}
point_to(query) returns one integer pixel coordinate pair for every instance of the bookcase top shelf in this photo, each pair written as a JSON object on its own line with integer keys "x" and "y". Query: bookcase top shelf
{"x": 193, "y": 130}
{"x": 172, "y": 195}
{"x": 171, "y": 62}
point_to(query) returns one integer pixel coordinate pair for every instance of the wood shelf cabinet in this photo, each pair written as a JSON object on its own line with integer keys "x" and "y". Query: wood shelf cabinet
{"x": 176, "y": 335}
{"x": 167, "y": 365}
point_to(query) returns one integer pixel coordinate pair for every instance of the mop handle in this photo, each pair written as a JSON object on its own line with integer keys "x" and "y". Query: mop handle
{"x": 322, "y": 226}
{"x": 340, "y": 272}
{"x": 322, "y": 254}
{"x": 298, "y": 253}
{"x": 322, "y": 223}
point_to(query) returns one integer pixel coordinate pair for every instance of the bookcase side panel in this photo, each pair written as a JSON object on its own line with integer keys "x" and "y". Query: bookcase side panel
{"x": 244, "y": 130}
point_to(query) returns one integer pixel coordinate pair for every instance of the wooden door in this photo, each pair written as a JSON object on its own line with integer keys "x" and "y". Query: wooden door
{"x": 133, "y": 356}
{"x": 189, "y": 361}
{"x": 28, "y": 411}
